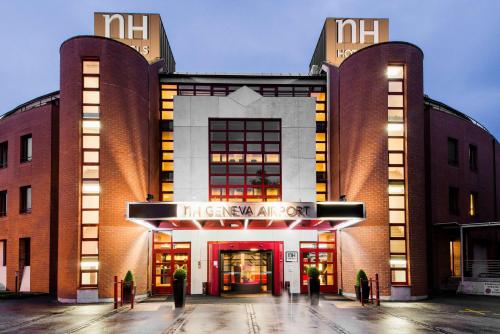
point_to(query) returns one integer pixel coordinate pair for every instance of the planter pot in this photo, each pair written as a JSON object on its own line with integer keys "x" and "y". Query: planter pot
{"x": 179, "y": 292}
{"x": 313, "y": 290}
{"x": 366, "y": 292}
{"x": 127, "y": 293}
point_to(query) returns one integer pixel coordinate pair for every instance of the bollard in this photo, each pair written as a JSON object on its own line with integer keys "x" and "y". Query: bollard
{"x": 132, "y": 294}
{"x": 361, "y": 292}
{"x": 115, "y": 291}
{"x": 371, "y": 290}
{"x": 378, "y": 291}
{"x": 121, "y": 293}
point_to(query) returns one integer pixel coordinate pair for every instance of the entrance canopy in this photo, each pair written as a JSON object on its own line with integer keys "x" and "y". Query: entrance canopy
{"x": 234, "y": 215}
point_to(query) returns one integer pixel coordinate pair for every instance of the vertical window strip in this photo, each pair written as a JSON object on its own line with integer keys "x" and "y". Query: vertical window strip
{"x": 90, "y": 171}
{"x": 398, "y": 227}
{"x": 321, "y": 144}
{"x": 168, "y": 91}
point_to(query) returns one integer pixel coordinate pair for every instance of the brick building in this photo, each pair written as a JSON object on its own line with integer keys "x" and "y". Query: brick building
{"x": 244, "y": 180}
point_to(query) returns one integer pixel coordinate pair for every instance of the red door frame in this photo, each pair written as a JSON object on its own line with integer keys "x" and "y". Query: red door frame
{"x": 215, "y": 247}
{"x": 172, "y": 250}
{"x": 317, "y": 250}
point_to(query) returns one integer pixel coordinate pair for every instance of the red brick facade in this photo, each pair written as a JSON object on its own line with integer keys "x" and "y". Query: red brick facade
{"x": 129, "y": 170}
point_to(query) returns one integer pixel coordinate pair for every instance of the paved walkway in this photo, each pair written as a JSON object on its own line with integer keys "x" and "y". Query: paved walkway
{"x": 465, "y": 314}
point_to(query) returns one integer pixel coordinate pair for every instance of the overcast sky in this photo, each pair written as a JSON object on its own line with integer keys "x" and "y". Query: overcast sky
{"x": 460, "y": 40}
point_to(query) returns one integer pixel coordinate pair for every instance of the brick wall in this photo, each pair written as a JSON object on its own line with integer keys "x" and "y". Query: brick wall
{"x": 36, "y": 225}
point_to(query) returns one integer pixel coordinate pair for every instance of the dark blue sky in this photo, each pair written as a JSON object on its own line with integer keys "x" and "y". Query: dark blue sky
{"x": 460, "y": 40}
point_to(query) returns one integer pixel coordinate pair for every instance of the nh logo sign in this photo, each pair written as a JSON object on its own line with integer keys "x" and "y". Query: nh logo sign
{"x": 131, "y": 28}
{"x": 341, "y": 24}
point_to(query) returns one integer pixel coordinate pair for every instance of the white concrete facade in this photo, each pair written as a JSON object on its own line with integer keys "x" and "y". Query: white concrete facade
{"x": 298, "y": 131}
{"x": 200, "y": 238}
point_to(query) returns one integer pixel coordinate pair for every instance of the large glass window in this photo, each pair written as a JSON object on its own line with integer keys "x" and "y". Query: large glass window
{"x": 3, "y": 154}
{"x": 25, "y": 199}
{"x": 240, "y": 167}
{"x": 452, "y": 151}
{"x": 26, "y": 148}
{"x": 3, "y": 203}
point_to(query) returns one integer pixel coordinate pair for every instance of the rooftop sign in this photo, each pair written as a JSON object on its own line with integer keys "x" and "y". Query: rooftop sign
{"x": 143, "y": 32}
{"x": 341, "y": 37}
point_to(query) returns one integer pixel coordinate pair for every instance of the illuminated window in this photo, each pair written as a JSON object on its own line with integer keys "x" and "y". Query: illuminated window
{"x": 90, "y": 82}
{"x": 90, "y": 142}
{"x": 167, "y": 166}
{"x": 395, "y": 87}
{"x": 90, "y": 111}
{"x": 167, "y": 186}
{"x": 397, "y": 217}
{"x": 473, "y": 204}
{"x": 320, "y": 187}
{"x": 396, "y": 158}
{"x": 455, "y": 250}
{"x": 395, "y": 72}
{"x": 396, "y": 173}
{"x": 167, "y": 115}
{"x": 395, "y": 101}
{"x": 250, "y": 173}
{"x": 90, "y": 187}
{"x": 395, "y": 115}
{"x": 320, "y": 117}
{"x": 320, "y": 147}
{"x": 90, "y": 97}
{"x": 90, "y": 247}
{"x": 89, "y": 278}
{"x": 395, "y": 144}
{"x": 321, "y": 167}
{"x": 397, "y": 231}
{"x": 90, "y": 202}
{"x": 90, "y": 67}
{"x": 91, "y": 127}
{"x": 90, "y": 157}
{"x": 89, "y": 232}
{"x": 396, "y": 188}
{"x": 398, "y": 246}
{"x": 90, "y": 217}
{"x": 395, "y": 129}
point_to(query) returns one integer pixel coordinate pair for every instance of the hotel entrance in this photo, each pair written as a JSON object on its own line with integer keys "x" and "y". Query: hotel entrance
{"x": 246, "y": 272}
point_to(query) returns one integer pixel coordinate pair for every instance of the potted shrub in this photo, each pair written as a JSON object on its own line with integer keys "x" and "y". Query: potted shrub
{"x": 313, "y": 285}
{"x": 127, "y": 287}
{"x": 362, "y": 281}
{"x": 180, "y": 275}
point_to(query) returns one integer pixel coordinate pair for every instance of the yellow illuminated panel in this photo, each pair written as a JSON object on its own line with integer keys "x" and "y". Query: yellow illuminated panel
{"x": 165, "y": 86}
{"x": 320, "y": 147}
{"x": 271, "y": 192}
{"x": 167, "y": 156}
{"x": 167, "y": 135}
{"x": 320, "y": 117}
{"x": 166, "y": 186}
{"x": 320, "y": 157}
{"x": 320, "y": 107}
{"x": 168, "y": 94}
{"x": 319, "y": 96}
{"x": 167, "y": 105}
{"x": 320, "y": 197}
{"x": 321, "y": 167}
{"x": 167, "y": 115}
{"x": 167, "y": 146}
{"x": 321, "y": 187}
{"x": 320, "y": 137}
{"x": 167, "y": 197}
{"x": 167, "y": 166}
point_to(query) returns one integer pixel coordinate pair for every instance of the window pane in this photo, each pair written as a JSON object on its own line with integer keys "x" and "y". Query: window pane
{"x": 272, "y": 191}
{"x": 254, "y": 180}
{"x": 91, "y": 127}
{"x": 90, "y": 157}
{"x": 395, "y": 129}
{"x": 396, "y": 217}
{"x": 272, "y": 180}
{"x": 272, "y": 158}
{"x": 218, "y": 157}
{"x": 89, "y": 278}
{"x": 399, "y": 276}
{"x": 236, "y": 147}
{"x": 90, "y": 187}
{"x": 90, "y": 247}
{"x": 28, "y": 198}
{"x": 254, "y": 169}
{"x": 235, "y": 125}
{"x": 217, "y": 136}
{"x": 218, "y": 169}
{"x": 271, "y": 125}
{"x": 396, "y": 202}
{"x": 395, "y": 101}
{"x": 89, "y": 263}
{"x": 254, "y": 125}
{"x": 235, "y": 191}
{"x": 272, "y": 147}
{"x": 272, "y": 169}
{"x": 90, "y": 202}
{"x": 90, "y": 97}
{"x": 254, "y": 157}
{"x": 217, "y": 125}
{"x": 218, "y": 180}
{"x": 235, "y": 169}
{"x": 236, "y": 180}
{"x": 397, "y": 232}
{"x": 395, "y": 72}
{"x": 90, "y": 111}
{"x": 235, "y": 136}
{"x": 90, "y": 67}
{"x": 218, "y": 147}
{"x": 395, "y": 158}
{"x": 395, "y": 86}
{"x": 90, "y": 217}
{"x": 91, "y": 142}
{"x": 271, "y": 136}
{"x": 253, "y": 147}
{"x": 254, "y": 136}
{"x": 396, "y": 173}
{"x": 397, "y": 246}
{"x": 89, "y": 232}
{"x": 395, "y": 115}
{"x": 396, "y": 188}
{"x": 90, "y": 82}
{"x": 235, "y": 158}
{"x": 394, "y": 144}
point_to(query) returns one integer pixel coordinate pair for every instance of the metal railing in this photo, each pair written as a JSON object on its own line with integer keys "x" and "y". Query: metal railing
{"x": 482, "y": 269}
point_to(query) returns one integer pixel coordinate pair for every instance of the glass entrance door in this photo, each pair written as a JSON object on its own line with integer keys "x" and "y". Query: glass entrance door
{"x": 246, "y": 272}
{"x": 167, "y": 257}
{"x": 322, "y": 255}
